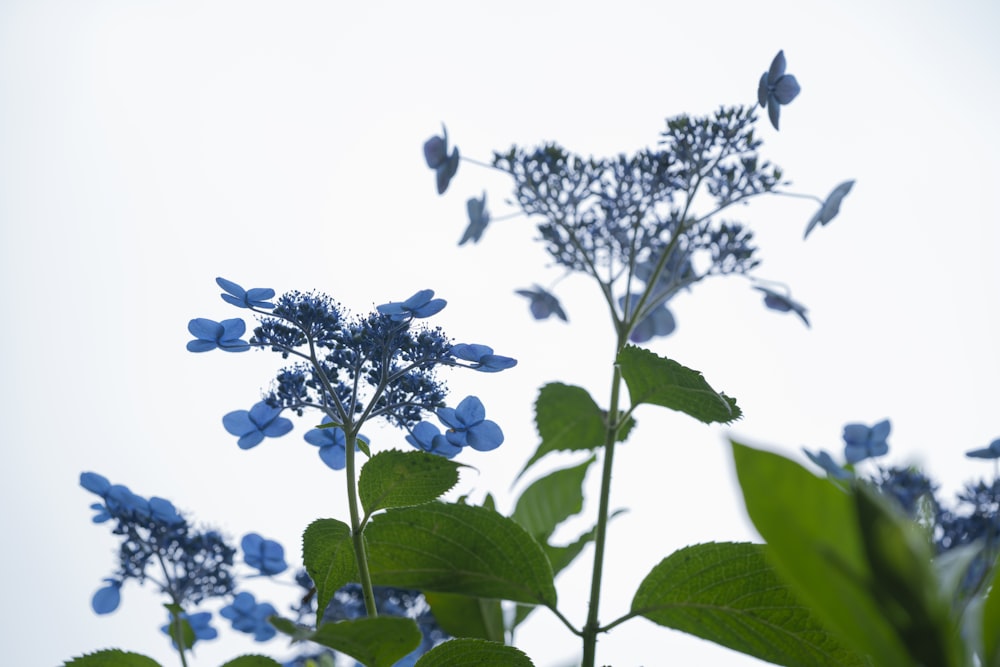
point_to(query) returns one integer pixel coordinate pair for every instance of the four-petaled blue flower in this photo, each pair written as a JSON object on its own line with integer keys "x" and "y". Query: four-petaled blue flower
{"x": 436, "y": 154}
{"x": 224, "y": 335}
{"x": 825, "y": 461}
{"x": 482, "y": 358}
{"x": 427, "y": 437}
{"x": 332, "y": 443}
{"x": 782, "y": 303}
{"x": 830, "y": 207}
{"x": 421, "y": 304}
{"x": 543, "y": 303}
{"x": 241, "y": 298}
{"x": 107, "y": 599}
{"x": 479, "y": 218}
{"x": 863, "y": 442}
{"x": 991, "y": 451}
{"x": 253, "y": 425}
{"x": 776, "y": 88}
{"x": 267, "y": 556}
{"x": 199, "y": 626}
{"x": 249, "y": 617}
{"x": 467, "y": 425}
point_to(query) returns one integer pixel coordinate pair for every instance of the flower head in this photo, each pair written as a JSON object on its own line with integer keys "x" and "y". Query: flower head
{"x": 332, "y": 443}
{"x": 438, "y": 159}
{"x": 863, "y": 442}
{"x": 467, "y": 425}
{"x": 267, "y": 556}
{"x": 830, "y": 207}
{"x": 479, "y": 218}
{"x": 253, "y": 425}
{"x": 422, "y": 304}
{"x": 250, "y": 617}
{"x": 241, "y": 298}
{"x": 482, "y": 358}
{"x": 782, "y": 303}
{"x": 543, "y": 303}
{"x": 991, "y": 451}
{"x": 776, "y": 88}
{"x": 224, "y": 335}
{"x": 427, "y": 437}
{"x": 199, "y": 624}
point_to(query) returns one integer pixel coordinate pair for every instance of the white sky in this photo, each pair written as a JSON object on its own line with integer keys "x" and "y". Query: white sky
{"x": 146, "y": 148}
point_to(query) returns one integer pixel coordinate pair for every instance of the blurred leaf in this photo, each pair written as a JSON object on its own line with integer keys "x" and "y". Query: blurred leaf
{"x": 991, "y": 622}
{"x": 400, "y": 479}
{"x": 328, "y": 555}
{"x": 464, "y": 652}
{"x": 660, "y": 381}
{"x": 374, "y": 642}
{"x": 112, "y": 658}
{"x": 465, "y": 616}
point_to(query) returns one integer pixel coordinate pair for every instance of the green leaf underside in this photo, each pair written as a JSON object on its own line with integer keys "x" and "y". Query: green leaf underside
{"x": 660, "y": 381}
{"x": 814, "y": 542}
{"x": 465, "y": 652}
{"x": 393, "y": 478}
{"x": 567, "y": 418}
{"x": 253, "y": 661}
{"x": 464, "y": 616}
{"x": 375, "y": 642}
{"x": 458, "y": 549}
{"x": 729, "y": 593}
{"x": 551, "y": 500}
{"x": 112, "y": 658}
{"x": 328, "y": 555}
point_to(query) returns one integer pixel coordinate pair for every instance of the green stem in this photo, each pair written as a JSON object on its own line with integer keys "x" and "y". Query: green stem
{"x": 178, "y": 629}
{"x": 357, "y": 528}
{"x": 592, "y": 627}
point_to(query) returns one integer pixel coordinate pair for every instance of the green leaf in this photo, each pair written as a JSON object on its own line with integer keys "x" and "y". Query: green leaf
{"x": 463, "y": 549}
{"x": 375, "y": 642}
{"x": 187, "y": 638}
{"x": 729, "y": 594}
{"x": 112, "y": 658}
{"x": 464, "y": 652}
{"x": 297, "y": 631}
{"x": 464, "y": 616}
{"x": 400, "y": 479}
{"x": 328, "y": 555}
{"x": 991, "y": 622}
{"x": 567, "y": 419}
{"x": 253, "y": 661}
{"x": 551, "y": 500}
{"x": 660, "y": 381}
{"x": 812, "y": 531}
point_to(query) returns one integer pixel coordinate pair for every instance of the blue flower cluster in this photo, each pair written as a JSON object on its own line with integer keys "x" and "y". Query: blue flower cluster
{"x": 352, "y": 369}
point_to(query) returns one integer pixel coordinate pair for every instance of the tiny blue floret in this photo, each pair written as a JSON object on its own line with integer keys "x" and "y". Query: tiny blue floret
{"x": 482, "y": 358}
{"x": 332, "y": 443}
{"x": 267, "y": 556}
{"x": 863, "y": 442}
{"x": 224, "y": 335}
{"x": 467, "y": 425}
{"x": 241, "y": 298}
{"x": 479, "y": 218}
{"x": 438, "y": 159}
{"x": 422, "y": 304}
{"x": 249, "y": 617}
{"x": 253, "y": 425}
{"x": 427, "y": 437}
{"x": 776, "y": 88}
{"x": 543, "y": 304}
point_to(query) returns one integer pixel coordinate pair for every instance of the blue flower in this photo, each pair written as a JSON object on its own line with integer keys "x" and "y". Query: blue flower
{"x": 467, "y": 425}
{"x": 825, "y": 461}
{"x": 776, "y": 88}
{"x": 422, "y": 304}
{"x": 830, "y": 207}
{"x": 241, "y": 298}
{"x": 199, "y": 626}
{"x": 332, "y": 443}
{"x": 253, "y": 425}
{"x": 992, "y": 451}
{"x": 479, "y": 217}
{"x": 107, "y": 599}
{"x": 863, "y": 442}
{"x": 436, "y": 154}
{"x": 782, "y": 303}
{"x": 427, "y": 437}
{"x": 210, "y": 334}
{"x": 543, "y": 303}
{"x": 267, "y": 556}
{"x": 482, "y": 358}
{"x": 249, "y": 617}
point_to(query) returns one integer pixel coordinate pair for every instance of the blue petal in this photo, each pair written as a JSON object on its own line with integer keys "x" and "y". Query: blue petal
{"x": 205, "y": 329}
{"x": 485, "y": 436}
{"x": 95, "y": 483}
{"x": 470, "y": 411}
{"x": 777, "y": 67}
{"x": 334, "y": 457}
{"x": 786, "y": 89}
{"x": 250, "y": 440}
{"x": 107, "y": 599}
{"x": 238, "y": 423}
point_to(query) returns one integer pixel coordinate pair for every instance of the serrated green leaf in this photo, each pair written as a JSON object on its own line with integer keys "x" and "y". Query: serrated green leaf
{"x": 401, "y": 479}
{"x": 551, "y": 500}
{"x": 567, "y": 419}
{"x": 729, "y": 594}
{"x": 112, "y": 658}
{"x": 328, "y": 556}
{"x": 464, "y": 616}
{"x": 811, "y": 528}
{"x": 463, "y": 549}
{"x": 375, "y": 642}
{"x": 253, "y": 661}
{"x": 660, "y": 381}
{"x": 479, "y": 652}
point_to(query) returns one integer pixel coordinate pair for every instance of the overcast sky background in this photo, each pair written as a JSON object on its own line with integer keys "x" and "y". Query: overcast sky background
{"x": 148, "y": 147}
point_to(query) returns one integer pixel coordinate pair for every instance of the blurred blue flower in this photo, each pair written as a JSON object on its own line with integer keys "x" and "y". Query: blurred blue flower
{"x": 107, "y": 599}
{"x": 427, "y": 437}
{"x": 830, "y": 207}
{"x": 479, "y": 218}
{"x": 467, "y": 425}
{"x": 991, "y": 451}
{"x": 163, "y": 511}
{"x": 267, "y": 556}
{"x": 253, "y": 425}
{"x": 776, "y": 88}
{"x": 210, "y": 334}
{"x": 826, "y": 462}
{"x": 782, "y": 303}
{"x": 436, "y": 154}
{"x": 241, "y": 298}
{"x": 863, "y": 442}
{"x": 482, "y": 358}
{"x": 250, "y": 617}
{"x": 422, "y": 304}
{"x": 659, "y": 322}
{"x": 543, "y": 303}
{"x": 332, "y": 443}
{"x": 199, "y": 623}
